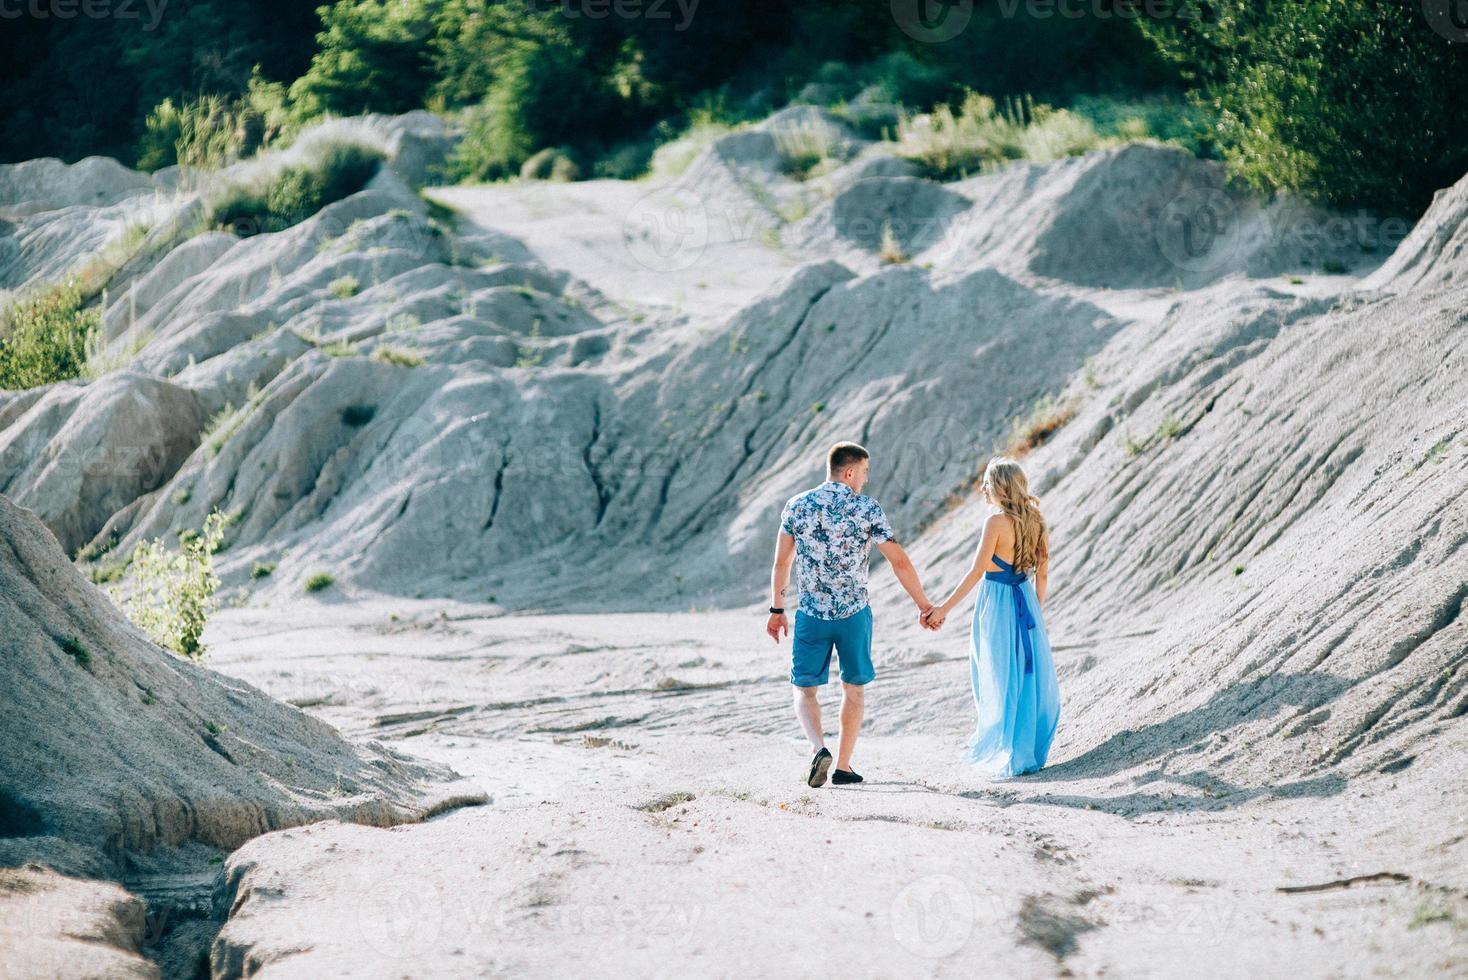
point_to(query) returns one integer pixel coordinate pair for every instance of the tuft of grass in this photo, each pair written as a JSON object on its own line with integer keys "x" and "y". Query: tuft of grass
{"x": 319, "y": 581}
{"x": 951, "y": 143}
{"x": 261, "y": 569}
{"x": 806, "y": 150}
{"x": 1170, "y": 427}
{"x": 529, "y": 355}
{"x": 45, "y": 336}
{"x": 213, "y": 727}
{"x": 1046, "y": 418}
{"x": 73, "y": 648}
{"x": 665, "y": 802}
{"x": 1238, "y": 569}
{"x": 890, "y": 250}
{"x": 290, "y": 195}
{"x": 1428, "y": 913}
{"x": 344, "y": 287}
{"x": 181, "y": 497}
{"x": 227, "y": 421}
{"x": 400, "y": 356}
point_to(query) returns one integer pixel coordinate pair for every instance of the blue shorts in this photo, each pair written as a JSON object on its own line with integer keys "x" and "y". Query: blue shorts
{"x": 811, "y": 650}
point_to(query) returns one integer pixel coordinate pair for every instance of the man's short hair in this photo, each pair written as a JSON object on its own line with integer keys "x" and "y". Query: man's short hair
{"x": 843, "y": 454}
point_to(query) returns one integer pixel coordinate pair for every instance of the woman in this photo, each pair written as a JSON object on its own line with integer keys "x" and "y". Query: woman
{"x": 1015, "y": 689}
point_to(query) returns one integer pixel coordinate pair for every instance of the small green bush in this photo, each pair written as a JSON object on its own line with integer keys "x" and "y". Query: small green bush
{"x": 319, "y": 581}
{"x": 44, "y": 336}
{"x": 170, "y": 594}
{"x": 344, "y": 287}
{"x": 262, "y": 569}
{"x": 73, "y": 648}
{"x": 329, "y": 172}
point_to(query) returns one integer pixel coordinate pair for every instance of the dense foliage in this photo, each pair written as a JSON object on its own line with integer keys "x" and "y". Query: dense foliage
{"x": 44, "y": 336}
{"x": 1354, "y": 101}
{"x": 278, "y": 200}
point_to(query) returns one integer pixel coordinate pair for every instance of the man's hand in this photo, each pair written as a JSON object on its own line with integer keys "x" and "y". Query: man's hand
{"x": 932, "y": 618}
{"x": 776, "y": 624}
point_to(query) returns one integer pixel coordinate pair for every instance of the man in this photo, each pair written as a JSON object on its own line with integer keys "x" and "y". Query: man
{"x": 830, "y": 530}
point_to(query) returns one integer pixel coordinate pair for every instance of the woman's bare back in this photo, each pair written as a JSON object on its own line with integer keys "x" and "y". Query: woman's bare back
{"x": 1004, "y": 546}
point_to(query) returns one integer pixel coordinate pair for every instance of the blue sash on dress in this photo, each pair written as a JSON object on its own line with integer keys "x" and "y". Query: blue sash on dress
{"x": 1014, "y": 580}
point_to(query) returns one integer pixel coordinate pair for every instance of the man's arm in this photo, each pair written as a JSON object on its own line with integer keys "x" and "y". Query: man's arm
{"x": 906, "y": 573}
{"x": 779, "y": 582}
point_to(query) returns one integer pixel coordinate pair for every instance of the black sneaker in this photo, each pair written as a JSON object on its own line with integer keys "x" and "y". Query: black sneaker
{"x": 819, "y": 766}
{"x": 844, "y": 777}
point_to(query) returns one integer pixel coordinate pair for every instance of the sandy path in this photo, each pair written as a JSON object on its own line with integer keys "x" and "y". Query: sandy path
{"x": 648, "y": 818}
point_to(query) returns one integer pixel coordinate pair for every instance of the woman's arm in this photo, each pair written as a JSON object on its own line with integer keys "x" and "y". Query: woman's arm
{"x": 982, "y": 556}
{"x": 1042, "y": 580}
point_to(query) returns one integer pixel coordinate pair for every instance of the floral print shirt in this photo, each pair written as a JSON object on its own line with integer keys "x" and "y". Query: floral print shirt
{"x": 834, "y": 527}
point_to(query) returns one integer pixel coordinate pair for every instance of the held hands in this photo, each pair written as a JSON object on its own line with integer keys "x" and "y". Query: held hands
{"x": 931, "y": 617}
{"x": 776, "y": 624}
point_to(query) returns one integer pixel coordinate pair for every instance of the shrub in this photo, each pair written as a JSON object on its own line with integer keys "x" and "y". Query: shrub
{"x": 262, "y": 569}
{"x": 327, "y": 173}
{"x": 950, "y": 144}
{"x": 214, "y": 131}
{"x": 170, "y": 594}
{"x": 44, "y": 336}
{"x": 319, "y": 581}
{"x": 73, "y": 648}
{"x": 807, "y": 149}
{"x": 1346, "y": 102}
{"x": 344, "y": 287}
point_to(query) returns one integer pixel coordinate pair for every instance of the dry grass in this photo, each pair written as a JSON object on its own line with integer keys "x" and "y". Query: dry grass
{"x": 1045, "y": 419}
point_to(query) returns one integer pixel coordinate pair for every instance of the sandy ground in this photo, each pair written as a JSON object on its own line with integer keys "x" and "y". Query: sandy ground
{"x": 649, "y": 817}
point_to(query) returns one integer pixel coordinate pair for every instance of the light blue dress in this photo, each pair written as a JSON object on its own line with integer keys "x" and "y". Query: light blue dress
{"x": 1015, "y": 690}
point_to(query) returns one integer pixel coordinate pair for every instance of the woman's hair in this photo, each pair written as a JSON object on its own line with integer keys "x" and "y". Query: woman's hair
{"x": 1010, "y": 489}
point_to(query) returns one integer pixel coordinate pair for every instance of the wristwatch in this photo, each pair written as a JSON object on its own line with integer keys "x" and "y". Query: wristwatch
{"x": 777, "y": 611}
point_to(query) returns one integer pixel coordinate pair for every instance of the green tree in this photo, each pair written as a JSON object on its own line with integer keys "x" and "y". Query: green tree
{"x": 1354, "y": 102}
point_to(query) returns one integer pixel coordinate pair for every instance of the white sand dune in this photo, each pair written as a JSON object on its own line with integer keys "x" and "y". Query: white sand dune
{"x": 549, "y": 540}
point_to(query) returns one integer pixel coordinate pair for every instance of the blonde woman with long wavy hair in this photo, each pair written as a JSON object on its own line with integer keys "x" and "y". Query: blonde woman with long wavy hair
{"x": 1015, "y": 690}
